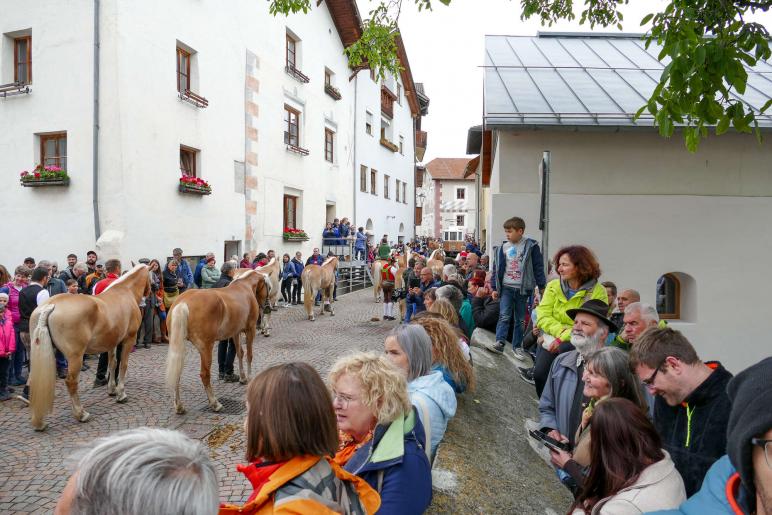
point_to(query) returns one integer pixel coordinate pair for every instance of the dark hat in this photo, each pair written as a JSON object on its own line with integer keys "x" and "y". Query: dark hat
{"x": 29, "y": 260}
{"x": 751, "y": 394}
{"x": 144, "y": 261}
{"x": 597, "y": 308}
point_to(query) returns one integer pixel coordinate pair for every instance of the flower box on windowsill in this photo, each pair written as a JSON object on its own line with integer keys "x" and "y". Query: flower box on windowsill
{"x": 44, "y": 176}
{"x": 388, "y": 144}
{"x": 195, "y": 190}
{"x": 332, "y": 91}
{"x": 295, "y": 238}
{"x": 194, "y": 98}
{"x": 297, "y": 150}
{"x": 290, "y": 234}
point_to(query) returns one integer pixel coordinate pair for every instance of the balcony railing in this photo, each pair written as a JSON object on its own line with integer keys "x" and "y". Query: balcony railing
{"x": 297, "y": 150}
{"x": 332, "y": 91}
{"x": 388, "y": 144}
{"x": 295, "y": 73}
{"x": 387, "y": 102}
{"x": 14, "y": 88}
{"x": 194, "y": 98}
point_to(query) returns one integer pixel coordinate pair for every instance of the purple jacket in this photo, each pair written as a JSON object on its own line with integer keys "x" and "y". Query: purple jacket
{"x": 13, "y": 302}
{"x": 7, "y": 335}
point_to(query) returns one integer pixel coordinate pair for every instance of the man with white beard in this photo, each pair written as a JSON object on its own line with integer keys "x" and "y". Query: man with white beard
{"x": 560, "y": 405}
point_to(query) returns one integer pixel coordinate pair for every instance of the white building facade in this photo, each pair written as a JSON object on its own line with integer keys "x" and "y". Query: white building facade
{"x": 688, "y": 231}
{"x": 259, "y": 107}
{"x": 450, "y": 200}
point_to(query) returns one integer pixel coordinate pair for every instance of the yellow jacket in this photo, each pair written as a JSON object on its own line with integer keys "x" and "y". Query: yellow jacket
{"x": 551, "y": 314}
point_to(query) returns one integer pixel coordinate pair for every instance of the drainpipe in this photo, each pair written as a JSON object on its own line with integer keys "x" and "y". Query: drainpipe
{"x": 95, "y": 143}
{"x": 415, "y": 189}
{"x": 356, "y": 175}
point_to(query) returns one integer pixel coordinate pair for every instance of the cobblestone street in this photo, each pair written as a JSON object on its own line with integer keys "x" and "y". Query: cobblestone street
{"x": 36, "y": 465}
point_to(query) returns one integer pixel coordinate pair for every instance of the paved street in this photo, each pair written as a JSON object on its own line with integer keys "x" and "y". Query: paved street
{"x": 35, "y": 464}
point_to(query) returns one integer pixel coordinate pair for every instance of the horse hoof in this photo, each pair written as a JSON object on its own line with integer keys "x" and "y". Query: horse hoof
{"x": 217, "y": 407}
{"x": 122, "y": 399}
{"x": 85, "y": 416}
{"x": 42, "y": 427}
{"x": 243, "y": 381}
{"x": 312, "y": 319}
{"x": 111, "y": 394}
{"x": 332, "y": 313}
{"x": 266, "y": 334}
{"x": 180, "y": 410}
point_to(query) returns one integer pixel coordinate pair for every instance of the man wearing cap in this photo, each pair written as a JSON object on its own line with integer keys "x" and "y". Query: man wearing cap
{"x": 97, "y": 275}
{"x": 29, "y": 263}
{"x": 741, "y": 481}
{"x": 691, "y": 410}
{"x": 183, "y": 270}
{"x": 561, "y": 401}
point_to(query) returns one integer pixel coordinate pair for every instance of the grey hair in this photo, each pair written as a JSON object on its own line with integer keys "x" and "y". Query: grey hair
{"x": 647, "y": 311}
{"x": 449, "y": 270}
{"x": 613, "y": 364}
{"x": 44, "y": 263}
{"x": 417, "y": 345}
{"x": 83, "y": 267}
{"x": 454, "y": 277}
{"x": 227, "y": 267}
{"x": 145, "y": 471}
{"x": 452, "y": 295}
{"x": 3, "y": 294}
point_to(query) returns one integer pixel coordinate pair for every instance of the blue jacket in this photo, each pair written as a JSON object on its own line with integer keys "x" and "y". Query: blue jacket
{"x": 197, "y": 274}
{"x": 438, "y": 398}
{"x": 288, "y": 270}
{"x": 331, "y": 236}
{"x": 184, "y": 272}
{"x": 713, "y": 497}
{"x": 533, "y": 268}
{"x": 318, "y": 260}
{"x": 418, "y": 300}
{"x": 396, "y": 459}
{"x": 361, "y": 243}
{"x": 298, "y": 266}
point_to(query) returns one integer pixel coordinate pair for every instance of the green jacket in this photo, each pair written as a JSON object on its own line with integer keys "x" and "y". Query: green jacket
{"x": 209, "y": 276}
{"x": 384, "y": 251}
{"x": 466, "y": 313}
{"x": 551, "y": 314}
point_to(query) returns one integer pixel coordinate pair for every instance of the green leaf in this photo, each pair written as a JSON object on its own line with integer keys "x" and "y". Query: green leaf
{"x": 766, "y": 105}
{"x": 723, "y": 125}
{"x": 646, "y": 19}
{"x": 699, "y": 55}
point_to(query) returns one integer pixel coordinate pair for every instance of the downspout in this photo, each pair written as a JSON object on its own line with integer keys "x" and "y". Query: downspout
{"x": 415, "y": 188}
{"x": 95, "y": 132}
{"x": 356, "y": 112}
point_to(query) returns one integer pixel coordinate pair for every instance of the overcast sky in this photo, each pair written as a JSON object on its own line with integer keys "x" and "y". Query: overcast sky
{"x": 446, "y": 47}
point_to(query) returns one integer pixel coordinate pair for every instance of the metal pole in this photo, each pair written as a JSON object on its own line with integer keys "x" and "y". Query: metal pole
{"x": 95, "y": 129}
{"x": 545, "y": 163}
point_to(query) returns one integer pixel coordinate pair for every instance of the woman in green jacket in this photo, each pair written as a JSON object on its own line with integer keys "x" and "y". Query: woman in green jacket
{"x": 209, "y": 274}
{"x": 579, "y": 273}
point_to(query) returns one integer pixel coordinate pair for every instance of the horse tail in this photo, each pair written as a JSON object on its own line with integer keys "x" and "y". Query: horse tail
{"x": 308, "y": 293}
{"x": 42, "y": 377}
{"x": 178, "y": 333}
{"x": 376, "y": 275}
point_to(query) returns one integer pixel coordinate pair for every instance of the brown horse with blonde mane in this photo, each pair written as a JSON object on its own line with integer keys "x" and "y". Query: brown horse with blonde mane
{"x": 205, "y": 316}
{"x": 273, "y": 271}
{"x": 80, "y": 324}
{"x": 436, "y": 261}
{"x": 317, "y": 278}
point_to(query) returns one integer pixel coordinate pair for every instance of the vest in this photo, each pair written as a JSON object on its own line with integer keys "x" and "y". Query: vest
{"x": 28, "y": 301}
{"x": 386, "y": 274}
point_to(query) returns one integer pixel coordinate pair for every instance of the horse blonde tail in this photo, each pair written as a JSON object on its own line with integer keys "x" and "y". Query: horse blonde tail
{"x": 308, "y": 293}
{"x": 42, "y": 376}
{"x": 178, "y": 333}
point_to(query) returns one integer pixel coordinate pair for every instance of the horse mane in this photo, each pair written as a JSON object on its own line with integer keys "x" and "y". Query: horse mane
{"x": 125, "y": 276}
{"x": 243, "y": 275}
{"x": 329, "y": 259}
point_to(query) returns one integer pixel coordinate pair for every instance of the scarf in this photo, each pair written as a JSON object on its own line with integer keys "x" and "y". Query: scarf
{"x": 348, "y": 447}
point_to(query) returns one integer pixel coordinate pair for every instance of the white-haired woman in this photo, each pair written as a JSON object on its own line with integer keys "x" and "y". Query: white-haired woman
{"x": 409, "y": 348}
{"x": 382, "y": 439}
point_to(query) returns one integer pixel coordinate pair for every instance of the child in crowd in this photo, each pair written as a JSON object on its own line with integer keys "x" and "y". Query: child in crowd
{"x": 72, "y": 286}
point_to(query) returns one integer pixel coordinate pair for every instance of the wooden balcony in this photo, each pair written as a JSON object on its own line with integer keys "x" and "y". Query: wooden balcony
{"x": 420, "y": 145}
{"x": 419, "y": 176}
{"x": 418, "y": 215}
{"x": 387, "y": 102}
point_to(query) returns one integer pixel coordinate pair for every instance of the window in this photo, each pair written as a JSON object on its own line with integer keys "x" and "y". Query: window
{"x": 53, "y": 150}
{"x": 188, "y": 161}
{"x": 22, "y": 60}
{"x": 363, "y": 178}
{"x": 292, "y": 52}
{"x": 291, "y": 126}
{"x": 397, "y": 190}
{"x": 404, "y": 192}
{"x": 402, "y": 145}
{"x": 460, "y": 220}
{"x": 290, "y": 211}
{"x": 373, "y": 182}
{"x": 183, "y": 70}
{"x": 327, "y": 77}
{"x": 399, "y": 93}
{"x": 669, "y": 297}
{"x": 386, "y": 186}
{"x": 369, "y": 123}
{"x": 460, "y": 193}
{"x": 329, "y": 145}
{"x": 452, "y": 236}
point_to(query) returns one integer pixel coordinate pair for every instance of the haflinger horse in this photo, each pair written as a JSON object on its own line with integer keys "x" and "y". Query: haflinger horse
{"x": 205, "y": 316}
{"x": 436, "y": 261}
{"x": 80, "y": 324}
{"x": 377, "y": 266}
{"x": 317, "y": 278}
{"x": 273, "y": 271}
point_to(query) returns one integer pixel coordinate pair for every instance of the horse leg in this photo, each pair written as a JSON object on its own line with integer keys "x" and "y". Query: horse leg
{"x": 206, "y": 365}
{"x": 125, "y": 351}
{"x": 111, "y": 372}
{"x": 330, "y": 292}
{"x": 73, "y": 371}
{"x": 240, "y": 355}
{"x": 249, "y": 338}
{"x": 266, "y": 325}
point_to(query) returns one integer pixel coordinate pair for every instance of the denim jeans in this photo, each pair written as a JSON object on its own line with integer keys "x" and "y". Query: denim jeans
{"x": 15, "y": 372}
{"x": 512, "y": 307}
{"x": 226, "y": 355}
{"x": 410, "y": 310}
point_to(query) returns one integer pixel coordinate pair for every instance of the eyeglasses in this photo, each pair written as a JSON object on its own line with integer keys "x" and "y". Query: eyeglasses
{"x": 344, "y": 400}
{"x": 649, "y": 383}
{"x": 764, "y": 444}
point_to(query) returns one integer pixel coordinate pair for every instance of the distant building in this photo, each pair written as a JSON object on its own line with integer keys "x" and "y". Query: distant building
{"x": 450, "y": 207}
{"x": 689, "y": 231}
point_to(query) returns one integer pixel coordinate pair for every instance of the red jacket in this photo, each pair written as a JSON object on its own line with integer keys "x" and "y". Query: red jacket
{"x": 104, "y": 283}
{"x": 7, "y": 335}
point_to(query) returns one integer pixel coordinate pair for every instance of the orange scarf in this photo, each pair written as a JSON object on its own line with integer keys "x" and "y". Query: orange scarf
{"x": 348, "y": 447}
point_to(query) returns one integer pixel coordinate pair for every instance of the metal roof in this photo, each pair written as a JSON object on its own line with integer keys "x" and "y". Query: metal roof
{"x": 584, "y": 80}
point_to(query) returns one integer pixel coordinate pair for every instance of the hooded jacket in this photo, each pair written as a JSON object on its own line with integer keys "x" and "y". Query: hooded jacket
{"x": 551, "y": 314}
{"x": 533, "y": 268}
{"x": 557, "y": 399}
{"x": 305, "y": 484}
{"x": 433, "y": 392}
{"x": 13, "y": 301}
{"x": 485, "y": 312}
{"x": 394, "y": 463}
{"x": 7, "y": 334}
{"x": 694, "y": 432}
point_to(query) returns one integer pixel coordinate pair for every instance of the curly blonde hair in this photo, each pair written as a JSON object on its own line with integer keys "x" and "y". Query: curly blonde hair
{"x": 384, "y": 388}
{"x": 446, "y": 309}
{"x": 445, "y": 349}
